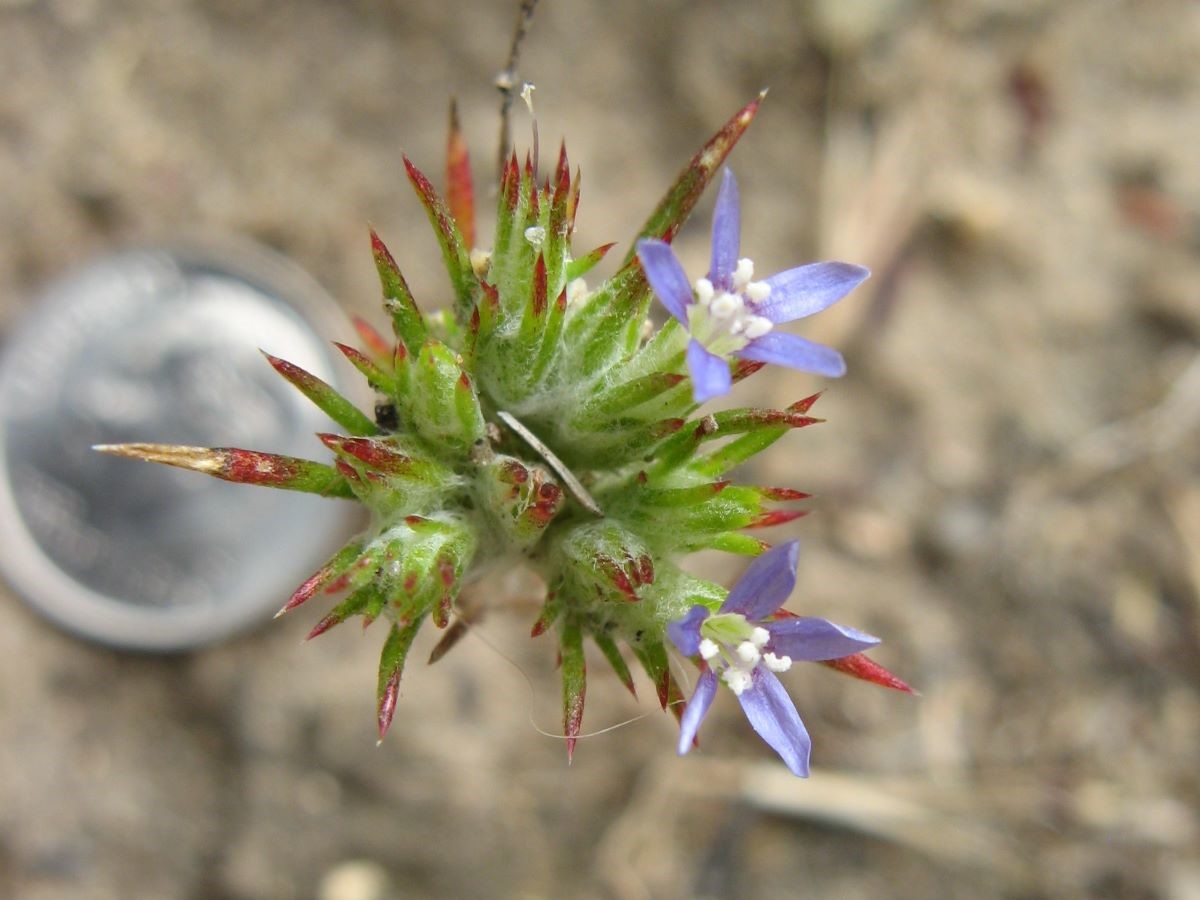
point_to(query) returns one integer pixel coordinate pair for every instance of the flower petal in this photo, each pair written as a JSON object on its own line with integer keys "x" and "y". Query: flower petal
{"x": 809, "y": 289}
{"x": 795, "y": 352}
{"x": 726, "y": 233}
{"x": 685, "y": 632}
{"x": 811, "y": 639}
{"x": 773, "y": 715}
{"x": 710, "y": 373}
{"x": 766, "y": 583}
{"x": 697, "y": 708}
{"x": 666, "y": 276}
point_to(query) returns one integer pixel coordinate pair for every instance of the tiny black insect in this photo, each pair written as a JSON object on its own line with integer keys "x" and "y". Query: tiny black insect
{"x": 385, "y": 416}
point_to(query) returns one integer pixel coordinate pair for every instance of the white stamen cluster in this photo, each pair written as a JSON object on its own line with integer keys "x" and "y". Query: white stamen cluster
{"x": 733, "y": 311}
{"x": 735, "y": 663}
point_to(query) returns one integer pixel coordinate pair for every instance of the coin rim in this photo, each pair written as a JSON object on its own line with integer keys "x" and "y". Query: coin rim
{"x": 90, "y": 614}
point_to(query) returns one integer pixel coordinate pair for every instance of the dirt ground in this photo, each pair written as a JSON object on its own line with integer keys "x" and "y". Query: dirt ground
{"x": 1007, "y": 482}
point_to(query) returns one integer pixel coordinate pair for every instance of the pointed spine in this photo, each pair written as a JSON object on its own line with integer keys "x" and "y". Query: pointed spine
{"x": 460, "y": 189}
{"x": 407, "y": 322}
{"x": 803, "y": 406}
{"x": 674, "y": 208}
{"x": 391, "y": 666}
{"x": 757, "y": 438}
{"x": 760, "y": 427}
{"x": 574, "y": 681}
{"x": 557, "y": 226}
{"x": 451, "y": 637}
{"x": 324, "y": 397}
{"x": 549, "y": 614}
{"x": 506, "y": 214}
{"x": 373, "y": 607}
{"x": 744, "y": 368}
{"x": 337, "y": 564}
{"x": 775, "y": 517}
{"x": 454, "y": 250}
{"x": 573, "y": 201}
{"x": 377, "y": 378}
{"x": 379, "y": 348}
{"x": 653, "y": 657}
{"x": 242, "y": 466}
{"x": 358, "y": 574}
{"x": 351, "y": 606}
{"x": 577, "y": 268}
{"x": 613, "y": 654}
{"x": 865, "y": 669}
{"x": 784, "y": 495}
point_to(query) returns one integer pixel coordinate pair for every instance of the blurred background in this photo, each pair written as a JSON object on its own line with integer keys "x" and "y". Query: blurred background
{"x": 1006, "y": 485}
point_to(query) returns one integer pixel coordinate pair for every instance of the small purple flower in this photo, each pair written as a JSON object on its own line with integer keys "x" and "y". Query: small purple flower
{"x": 729, "y": 314}
{"x": 742, "y": 647}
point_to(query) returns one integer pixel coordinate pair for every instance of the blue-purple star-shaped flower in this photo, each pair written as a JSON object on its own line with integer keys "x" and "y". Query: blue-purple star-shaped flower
{"x": 729, "y": 314}
{"x": 742, "y": 646}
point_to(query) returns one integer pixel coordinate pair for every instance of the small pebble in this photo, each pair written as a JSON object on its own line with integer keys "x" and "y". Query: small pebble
{"x": 355, "y": 879}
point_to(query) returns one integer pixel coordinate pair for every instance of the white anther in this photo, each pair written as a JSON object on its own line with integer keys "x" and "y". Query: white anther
{"x": 759, "y": 637}
{"x": 758, "y": 291}
{"x": 737, "y": 680}
{"x": 725, "y": 305}
{"x": 743, "y": 273}
{"x": 748, "y": 653}
{"x": 536, "y": 235}
{"x": 704, "y": 291}
{"x": 756, "y": 326}
{"x": 577, "y": 290}
{"x": 480, "y": 260}
{"x": 777, "y": 663}
{"x": 709, "y": 649}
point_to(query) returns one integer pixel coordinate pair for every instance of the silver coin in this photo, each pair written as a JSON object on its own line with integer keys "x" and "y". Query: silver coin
{"x": 162, "y": 345}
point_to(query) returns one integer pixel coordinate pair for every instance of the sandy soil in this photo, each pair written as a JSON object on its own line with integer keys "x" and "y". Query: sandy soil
{"x": 1007, "y": 478}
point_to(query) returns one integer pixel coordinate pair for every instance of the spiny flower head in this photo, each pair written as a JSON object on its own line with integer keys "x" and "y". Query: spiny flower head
{"x": 534, "y": 420}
